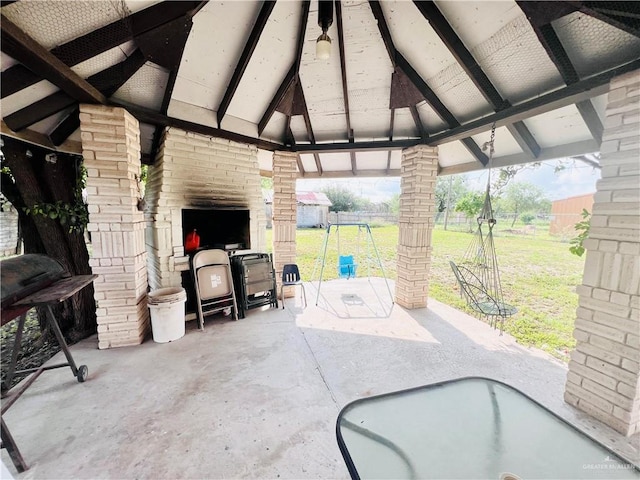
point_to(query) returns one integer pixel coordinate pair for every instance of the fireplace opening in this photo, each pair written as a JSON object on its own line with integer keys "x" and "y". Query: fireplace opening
{"x": 225, "y": 228}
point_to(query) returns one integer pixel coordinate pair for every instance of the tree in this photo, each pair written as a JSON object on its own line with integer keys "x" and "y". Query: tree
{"x": 470, "y": 204}
{"x": 394, "y": 203}
{"x": 266, "y": 183}
{"x": 46, "y": 195}
{"x": 522, "y": 196}
{"x": 449, "y": 190}
{"x": 342, "y": 199}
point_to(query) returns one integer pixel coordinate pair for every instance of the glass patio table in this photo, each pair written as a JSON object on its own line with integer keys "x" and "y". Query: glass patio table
{"x": 468, "y": 428}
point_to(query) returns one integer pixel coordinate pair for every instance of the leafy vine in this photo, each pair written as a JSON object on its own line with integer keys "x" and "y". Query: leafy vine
{"x": 75, "y": 215}
{"x": 577, "y": 247}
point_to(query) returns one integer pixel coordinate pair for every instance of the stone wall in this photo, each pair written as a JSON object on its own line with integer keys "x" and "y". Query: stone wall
{"x": 415, "y": 224}
{"x": 111, "y": 151}
{"x": 603, "y": 378}
{"x": 193, "y": 170}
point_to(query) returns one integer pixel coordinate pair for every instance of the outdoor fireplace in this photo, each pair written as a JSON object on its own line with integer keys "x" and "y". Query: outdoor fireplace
{"x": 203, "y": 183}
{"x": 223, "y": 228}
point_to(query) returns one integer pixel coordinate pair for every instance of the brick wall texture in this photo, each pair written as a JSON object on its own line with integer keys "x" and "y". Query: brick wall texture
{"x": 193, "y": 170}
{"x": 111, "y": 150}
{"x": 415, "y": 221}
{"x": 603, "y": 378}
{"x": 284, "y": 212}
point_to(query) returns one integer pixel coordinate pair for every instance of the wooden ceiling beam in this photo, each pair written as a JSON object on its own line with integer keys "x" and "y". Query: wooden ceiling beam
{"x": 376, "y": 9}
{"x": 398, "y": 60}
{"x": 245, "y": 57}
{"x": 144, "y": 115}
{"x": 106, "y": 82}
{"x": 456, "y": 46}
{"x": 302, "y": 27}
{"x": 20, "y": 46}
{"x": 558, "y": 55}
{"x": 418, "y": 121}
{"x": 286, "y": 84}
{"x": 99, "y": 41}
{"x": 66, "y": 127}
{"x": 392, "y": 118}
{"x": 357, "y": 146}
{"x": 343, "y": 71}
{"x": 571, "y": 94}
{"x": 626, "y": 19}
{"x": 50, "y": 105}
{"x": 292, "y": 76}
{"x": 348, "y": 174}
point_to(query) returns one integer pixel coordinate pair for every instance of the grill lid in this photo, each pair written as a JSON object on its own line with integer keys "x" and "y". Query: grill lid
{"x": 21, "y": 276}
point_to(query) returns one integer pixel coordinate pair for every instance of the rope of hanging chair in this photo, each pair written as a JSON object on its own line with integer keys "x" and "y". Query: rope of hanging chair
{"x": 480, "y": 257}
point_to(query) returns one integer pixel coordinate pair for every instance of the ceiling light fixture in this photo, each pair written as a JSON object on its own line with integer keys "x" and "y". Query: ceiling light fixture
{"x": 325, "y": 19}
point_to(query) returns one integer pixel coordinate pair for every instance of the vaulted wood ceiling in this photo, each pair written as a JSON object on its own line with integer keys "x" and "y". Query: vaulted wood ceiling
{"x": 401, "y": 73}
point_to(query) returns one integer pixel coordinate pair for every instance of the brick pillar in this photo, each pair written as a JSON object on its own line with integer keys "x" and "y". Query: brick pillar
{"x": 111, "y": 150}
{"x": 417, "y": 207}
{"x": 284, "y": 211}
{"x": 603, "y": 378}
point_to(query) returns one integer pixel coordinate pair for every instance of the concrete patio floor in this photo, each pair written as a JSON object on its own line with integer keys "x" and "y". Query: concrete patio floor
{"x": 259, "y": 398}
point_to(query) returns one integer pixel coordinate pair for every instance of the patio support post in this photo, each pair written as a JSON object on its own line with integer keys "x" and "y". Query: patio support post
{"x": 284, "y": 213}
{"x": 603, "y": 378}
{"x": 415, "y": 222}
{"x": 111, "y": 151}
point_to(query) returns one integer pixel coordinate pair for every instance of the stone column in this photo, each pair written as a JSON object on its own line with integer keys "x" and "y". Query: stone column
{"x": 111, "y": 150}
{"x": 603, "y": 378}
{"x": 284, "y": 211}
{"x": 417, "y": 208}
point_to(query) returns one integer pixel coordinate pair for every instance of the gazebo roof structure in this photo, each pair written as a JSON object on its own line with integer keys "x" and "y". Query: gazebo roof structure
{"x": 400, "y": 73}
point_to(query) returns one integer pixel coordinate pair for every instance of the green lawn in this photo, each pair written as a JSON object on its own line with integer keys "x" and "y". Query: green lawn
{"x": 538, "y": 276}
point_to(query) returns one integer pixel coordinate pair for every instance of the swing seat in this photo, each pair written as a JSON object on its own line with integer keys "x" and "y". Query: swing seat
{"x": 346, "y": 267}
{"x": 475, "y": 294}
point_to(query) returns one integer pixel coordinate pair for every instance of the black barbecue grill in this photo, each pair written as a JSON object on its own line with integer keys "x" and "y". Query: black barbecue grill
{"x": 28, "y": 281}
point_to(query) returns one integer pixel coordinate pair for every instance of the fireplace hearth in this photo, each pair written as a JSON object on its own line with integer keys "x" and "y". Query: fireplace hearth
{"x": 225, "y": 228}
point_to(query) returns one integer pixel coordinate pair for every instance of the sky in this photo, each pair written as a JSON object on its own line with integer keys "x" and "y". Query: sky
{"x": 576, "y": 179}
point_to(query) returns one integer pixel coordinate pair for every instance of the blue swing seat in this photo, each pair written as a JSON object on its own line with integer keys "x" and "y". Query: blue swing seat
{"x": 346, "y": 267}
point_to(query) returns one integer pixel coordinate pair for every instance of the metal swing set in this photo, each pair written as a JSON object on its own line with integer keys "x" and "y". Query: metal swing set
{"x": 347, "y": 266}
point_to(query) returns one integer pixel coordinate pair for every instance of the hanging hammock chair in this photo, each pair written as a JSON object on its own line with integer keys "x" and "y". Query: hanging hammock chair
{"x": 477, "y": 273}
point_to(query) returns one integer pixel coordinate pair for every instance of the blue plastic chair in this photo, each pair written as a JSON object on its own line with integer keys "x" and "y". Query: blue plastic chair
{"x": 346, "y": 267}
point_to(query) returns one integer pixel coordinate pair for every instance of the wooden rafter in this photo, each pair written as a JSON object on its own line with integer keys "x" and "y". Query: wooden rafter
{"x": 65, "y": 128}
{"x": 376, "y": 9}
{"x": 416, "y": 119}
{"x": 99, "y": 41}
{"x": 357, "y": 146}
{"x": 20, "y": 46}
{"x": 553, "y": 46}
{"x": 245, "y": 57}
{"x": 571, "y": 94}
{"x": 284, "y": 88}
{"x": 106, "y": 82}
{"x": 176, "y": 37}
{"x": 145, "y": 115}
{"x": 626, "y": 19}
{"x": 456, "y": 46}
{"x": 392, "y": 118}
{"x": 345, "y": 89}
{"x": 398, "y": 60}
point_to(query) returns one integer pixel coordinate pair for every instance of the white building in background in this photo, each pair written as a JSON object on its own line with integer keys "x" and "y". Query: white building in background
{"x": 313, "y": 208}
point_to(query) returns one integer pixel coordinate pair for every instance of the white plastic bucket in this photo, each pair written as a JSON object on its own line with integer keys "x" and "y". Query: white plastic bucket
{"x": 167, "y": 313}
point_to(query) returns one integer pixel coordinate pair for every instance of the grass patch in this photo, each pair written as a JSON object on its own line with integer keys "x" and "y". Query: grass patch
{"x": 538, "y": 275}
